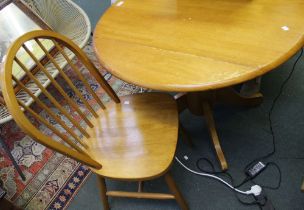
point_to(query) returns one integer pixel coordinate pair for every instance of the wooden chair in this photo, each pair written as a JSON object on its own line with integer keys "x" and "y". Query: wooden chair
{"x": 132, "y": 139}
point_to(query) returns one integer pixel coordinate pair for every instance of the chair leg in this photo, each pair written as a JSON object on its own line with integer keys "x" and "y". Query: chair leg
{"x": 103, "y": 192}
{"x": 173, "y": 188}
{"x": 140, "y": 186}
{"x": 12, "y": 159}
{"x": 185, "y": 135}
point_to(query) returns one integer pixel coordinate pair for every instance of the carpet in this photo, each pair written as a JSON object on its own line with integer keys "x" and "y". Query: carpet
{"x": 52, "y": 180}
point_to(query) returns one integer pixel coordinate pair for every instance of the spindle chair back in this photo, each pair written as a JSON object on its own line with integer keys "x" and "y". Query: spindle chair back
{"x": 72, "y": 139}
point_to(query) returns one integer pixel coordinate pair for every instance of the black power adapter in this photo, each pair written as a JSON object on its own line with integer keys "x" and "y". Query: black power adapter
{"x": 255, "y": 169}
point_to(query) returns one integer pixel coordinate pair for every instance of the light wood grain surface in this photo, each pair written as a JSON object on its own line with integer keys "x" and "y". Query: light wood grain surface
{"x": 195, "y": 45}
{"x": 135, "y": 139}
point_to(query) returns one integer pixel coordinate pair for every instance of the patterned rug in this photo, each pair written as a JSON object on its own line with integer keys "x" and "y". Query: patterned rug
{"x": 52, "y": 180}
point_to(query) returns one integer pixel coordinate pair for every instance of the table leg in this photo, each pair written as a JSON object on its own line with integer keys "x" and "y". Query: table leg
{"x": 213, "y": 134}
{"x": 232, "y": 97}
{"x": 199, "y": 103}
{"x": 251, "y": 87}
{"x": 12, "y": 159}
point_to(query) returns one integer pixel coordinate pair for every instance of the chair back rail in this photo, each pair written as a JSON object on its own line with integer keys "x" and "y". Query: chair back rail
{"x": 68, "y": 119}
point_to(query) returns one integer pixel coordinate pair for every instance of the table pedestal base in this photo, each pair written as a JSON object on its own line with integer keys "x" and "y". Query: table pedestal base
{"x": 200, "y": 103}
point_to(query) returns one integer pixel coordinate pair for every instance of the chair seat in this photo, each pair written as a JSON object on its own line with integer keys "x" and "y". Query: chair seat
{"x": 137, "y": 138}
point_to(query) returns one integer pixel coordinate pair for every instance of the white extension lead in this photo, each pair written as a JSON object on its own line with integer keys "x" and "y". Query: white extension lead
{"x": 254, "y": 190}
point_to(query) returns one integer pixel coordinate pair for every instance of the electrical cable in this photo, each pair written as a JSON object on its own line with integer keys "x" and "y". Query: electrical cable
{"x": 279, "y": 181}
{"x": 272, "y": 131}
{"x": 243, "y": 182}
{"x": 258, "y": 201}
{"x": 256, "y": 189}
{"x": 249, "y": 192}
{"x": 252, "y": 203}
{"x": 210, "y": 164}
{"x": 271, "y": 111}
{"x": 218, "y": 172}
{"x": 213, "y": 170}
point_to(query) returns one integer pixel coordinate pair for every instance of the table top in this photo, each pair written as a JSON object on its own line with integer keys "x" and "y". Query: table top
{"x": 195, "y": 45}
